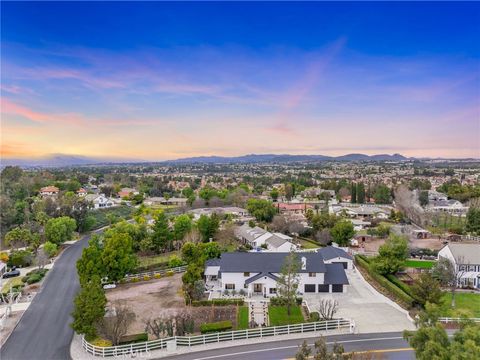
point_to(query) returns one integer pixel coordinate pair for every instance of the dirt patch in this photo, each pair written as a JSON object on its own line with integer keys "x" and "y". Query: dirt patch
{"x": 150, "y": 299}
{"x": 431, "y": 243}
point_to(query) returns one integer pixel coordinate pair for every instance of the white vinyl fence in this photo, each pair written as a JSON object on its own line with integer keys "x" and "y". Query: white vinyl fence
{"x": 447, "y": 320}
{"x": 189, "y": 341}
{"x": 151, "y": 274}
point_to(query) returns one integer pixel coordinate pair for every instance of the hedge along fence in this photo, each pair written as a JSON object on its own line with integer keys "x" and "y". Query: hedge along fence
{"x": 404, "y": 298}
{"x": 280, "y": 301}
{"x": 153, "y": 274}
{"x": 218, "y": 302}
{"x": 216, "y": 327}
{"x": 132, "y": 349}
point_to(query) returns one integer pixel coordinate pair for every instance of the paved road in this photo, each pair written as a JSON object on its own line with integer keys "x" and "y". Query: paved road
{"x": 391, "y": 345}
{"x": 44, "y": 332}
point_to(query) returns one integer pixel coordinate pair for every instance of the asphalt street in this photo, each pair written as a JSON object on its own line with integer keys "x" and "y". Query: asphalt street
{"x": 44, "y": 332}
{"x": 390, "y": 345}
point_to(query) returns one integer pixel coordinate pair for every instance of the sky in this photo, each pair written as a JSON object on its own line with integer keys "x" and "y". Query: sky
{"x": 156, "y": 81}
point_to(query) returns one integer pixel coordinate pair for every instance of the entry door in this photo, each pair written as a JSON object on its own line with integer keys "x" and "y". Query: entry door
{"x": 258, "y": 288}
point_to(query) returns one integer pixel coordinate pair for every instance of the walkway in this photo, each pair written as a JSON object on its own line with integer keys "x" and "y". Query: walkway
{"x": 258, "y": 312}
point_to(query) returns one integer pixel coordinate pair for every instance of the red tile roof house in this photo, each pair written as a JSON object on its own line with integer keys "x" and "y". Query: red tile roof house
{"x": 81, "y": 192}
{"x": 293, "y": 208}
{"x": 49, "y": 191}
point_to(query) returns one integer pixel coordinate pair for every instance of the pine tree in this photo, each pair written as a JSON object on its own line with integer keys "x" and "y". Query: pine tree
{"x": 360, "y": 193}
{"x": 353, "y": 193}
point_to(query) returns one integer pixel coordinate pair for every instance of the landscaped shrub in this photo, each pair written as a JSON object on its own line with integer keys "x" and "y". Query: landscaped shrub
{"x": 169, "y": 273}
{"x": 135, "y": 338}
{"x": 218, "y": 302}
{"x": 400, "y": 284}
{"x": 314, "y": 316}
{"x": 157, "y": 276}
{"x": 393, "y": 289}
{"x": 20, "y": 258}
{"x": 101, "y": 342}
{"x": 215, "y": 327}
{"x": 146, "y": 278}
{"x": 34, "y": 276}
{"x": 281, "y": 301}
{"x": 134, "y": 279}
{"x": 175, "y": 261}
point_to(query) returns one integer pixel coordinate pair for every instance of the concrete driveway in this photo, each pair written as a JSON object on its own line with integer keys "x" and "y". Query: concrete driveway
{"x": 371, "y": 311}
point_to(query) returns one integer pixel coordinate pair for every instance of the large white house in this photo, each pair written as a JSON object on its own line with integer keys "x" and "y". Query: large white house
{"x": 258, "y": 273}
{"x": 259, "y": 238}
{"x": 99, "y": 201}
{"x": 466, "y": 258}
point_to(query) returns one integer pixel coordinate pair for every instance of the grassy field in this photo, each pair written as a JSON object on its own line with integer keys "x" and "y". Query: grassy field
{"x": 101, "y": 219}
{"x": 421, "y": 264}
{"x": 466, "y": 304}
{"x": 278, "y": 315}
{"x": 242, "y": 318}
{"x": 307, "y": 244}
{"x": 148, "y": 261}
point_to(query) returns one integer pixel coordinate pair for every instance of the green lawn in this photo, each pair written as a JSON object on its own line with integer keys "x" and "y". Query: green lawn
{"x": 152, "y": 261}
{"x": 242, "y": 318}
{"x": 278, "y": 315}
{"x": 466, "y": 304}
{"x": 422, "y": 264}
{"x": 308, "y": 244}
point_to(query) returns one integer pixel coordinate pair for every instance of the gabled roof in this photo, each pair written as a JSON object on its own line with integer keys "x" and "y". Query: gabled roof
{"x": 335, "y": 274}
{"x": 465, "y": 253}
{"x": 267, "y": 262}
{"x": 331, "y": 252}
{"x": 276, "y": 241}
{"x": 260, "y": 275}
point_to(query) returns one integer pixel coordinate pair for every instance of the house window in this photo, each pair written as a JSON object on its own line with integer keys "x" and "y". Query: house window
{"x": 310, "y": 288}
{"x": 311, "y": 274}
{"x": 246, "y": 274}
{"x": 230, "y": 286}
{"x": 273, "y": 290}
{"x": 324, "y": 288}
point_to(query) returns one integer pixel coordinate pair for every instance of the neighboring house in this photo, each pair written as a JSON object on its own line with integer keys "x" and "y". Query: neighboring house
{"x": 160, "y": 200}
{"x": 257, "y": 238}
{"x": 238, "y": 214}
{"x": 258, "y": 273}
{"x": 82, "y": 192}
{"x": 49, "y": 191}
{"x": 359, "y": 224}
{"x": 466, "y": 258}
{"x": 436, "y": 196}
{"x": 454, "y": 207}
{"x": 365, "y": 212}
{"x": 99, "y": 201}
{"x": 293, "y": 208}
{"x": 126, "y": 192}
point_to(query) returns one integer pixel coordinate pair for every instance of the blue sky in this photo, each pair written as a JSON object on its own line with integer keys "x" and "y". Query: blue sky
{"x": 165, "y": 80}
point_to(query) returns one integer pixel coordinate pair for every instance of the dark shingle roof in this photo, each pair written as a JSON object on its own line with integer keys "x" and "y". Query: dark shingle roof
{"x": 335, "y": 274}
{"x": 331, "y": 252}
{"x": 213, "y": 262}
{"x": 260, "y": 275}
{"x": 267, "y": 262}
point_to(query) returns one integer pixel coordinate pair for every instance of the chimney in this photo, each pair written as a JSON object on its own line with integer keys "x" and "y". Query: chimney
{"x": 304, "y": 263}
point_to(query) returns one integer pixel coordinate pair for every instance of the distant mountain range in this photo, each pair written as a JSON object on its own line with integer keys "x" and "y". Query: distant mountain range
{"x": 62, "y": 160}
{"x": 284, "y": 158}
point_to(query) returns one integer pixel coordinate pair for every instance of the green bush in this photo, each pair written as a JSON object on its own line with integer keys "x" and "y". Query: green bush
{"x": 314, "y": 316}
{"x": 218, "y": 302}
{"x": 215, "y": 327}
{"x": 20, "y": 258}
{"x": 169, "y": 273}
{"x": 399, "y": 283}
{"x": 281, "y": 301}
{"x": 34, "y": 278}
{"x": 135, "y": 338}
{"x": 393, "y": 289}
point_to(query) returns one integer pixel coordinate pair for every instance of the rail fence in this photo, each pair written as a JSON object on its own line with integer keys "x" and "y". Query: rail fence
{"x": 447, "y": 320}
{"x": 184, "y": 341}
{"x": 151, "y": 274}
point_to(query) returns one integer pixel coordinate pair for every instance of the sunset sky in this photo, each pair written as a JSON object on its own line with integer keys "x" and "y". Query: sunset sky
{"x": 157, "y": 81}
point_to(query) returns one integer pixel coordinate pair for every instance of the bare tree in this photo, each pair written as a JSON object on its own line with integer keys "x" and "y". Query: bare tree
{"x": 323, "y": 237}
{"x": 279, "y": 223}
{"x": 116, "y": 326}
{"x": 295, "y": 227}
{"x": 179, "y": 324}
{"x": 193, "y": 236}
{"x": 408, "y": 203}
{"x": 226, "y": 235}
{"x": 449, "y": 274}
{"x": 289, "y": 279}
{"x": 41, "y": 259}
{"x": 328, "y": 308}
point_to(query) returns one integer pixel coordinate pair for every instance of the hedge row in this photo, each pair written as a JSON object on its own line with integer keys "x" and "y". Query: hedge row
{"x": 393, "y": 289}
{"x": 400, "y": 284}
{"x": 215, "y": 327}
{"x": 218, "y": 302}
{"x": 281, "y": 301}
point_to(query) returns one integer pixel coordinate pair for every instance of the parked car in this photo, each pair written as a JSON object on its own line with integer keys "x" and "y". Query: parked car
{"x": 11, "y": 274}
{"x": 109, "y": 286}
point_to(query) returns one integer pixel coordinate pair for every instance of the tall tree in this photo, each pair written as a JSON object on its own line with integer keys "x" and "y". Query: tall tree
{"x": 289, "y": 280}
{"x": 353, "y": 193}
{"x": 89, "y": 308}
{"x": 59, "y": 230}
{"x": 183, "y": 224}
{"x": 360, "y": 193}
{"x": 118, "y": 257}
{"x": 162, "y": 236}
{"x": 208, "y": 226}
{"x": 392, "y": 255}
{"x": 90, "y": 263}
{"x": 342, "y": 232}
{"x": 448, "y": 274}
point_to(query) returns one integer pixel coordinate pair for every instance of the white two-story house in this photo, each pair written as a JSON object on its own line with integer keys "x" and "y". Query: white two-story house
{"x": 466, "y": 258}
{"x": 258, "y": 273}
{"x": 257, "y": 238}
{"x": 99, "y": 201}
